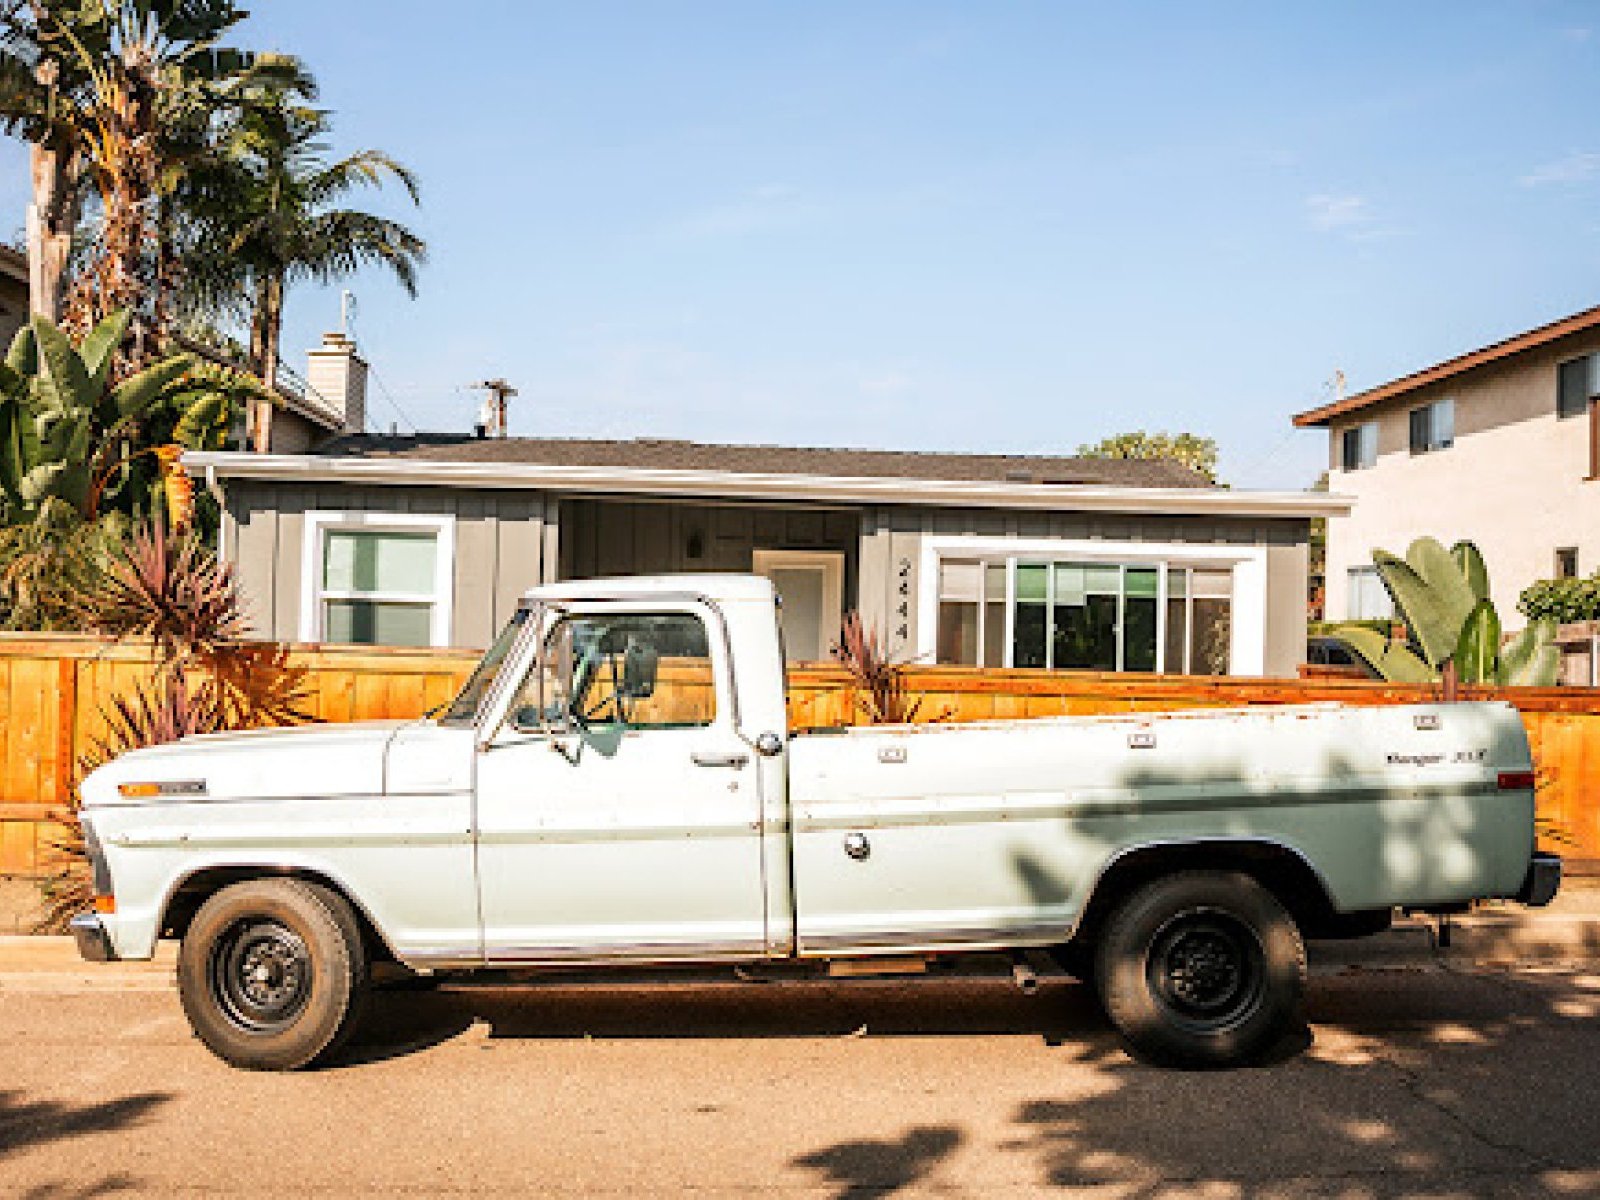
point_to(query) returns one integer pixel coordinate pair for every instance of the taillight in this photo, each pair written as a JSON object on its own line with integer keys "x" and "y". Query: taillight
{"x": 1516, "y": 781}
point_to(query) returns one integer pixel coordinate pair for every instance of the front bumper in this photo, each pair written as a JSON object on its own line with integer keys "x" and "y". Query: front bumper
{"x": 94, "y": 943}
{"x": 1542, "y": 881}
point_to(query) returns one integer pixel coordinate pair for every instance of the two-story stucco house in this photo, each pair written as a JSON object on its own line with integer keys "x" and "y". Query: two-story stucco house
{"x": 1500, "y": 446}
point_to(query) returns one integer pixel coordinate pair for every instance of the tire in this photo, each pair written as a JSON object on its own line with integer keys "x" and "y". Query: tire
{"x": 1202, "y": 969}
{"x": 273, "y": 974}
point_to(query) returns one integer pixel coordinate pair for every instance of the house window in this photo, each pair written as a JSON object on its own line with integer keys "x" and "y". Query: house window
{"x": 1567, "y": 562}
{"x": 1369, "y": 599}
{"x": 1575, "y": 384}
{"x": 1095, "y": 616}
{"x": 1433, "y": 427}
{"x": 377, "y": 579}
{"x": 1360, "y": 447}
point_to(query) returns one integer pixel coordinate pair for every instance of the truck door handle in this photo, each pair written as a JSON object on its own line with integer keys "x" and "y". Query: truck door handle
{"x": 733, "y": 758}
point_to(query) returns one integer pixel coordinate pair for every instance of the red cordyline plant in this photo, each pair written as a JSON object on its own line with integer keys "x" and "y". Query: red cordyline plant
{"x": 880, "y": 683}
{"x": 169, "y": 591}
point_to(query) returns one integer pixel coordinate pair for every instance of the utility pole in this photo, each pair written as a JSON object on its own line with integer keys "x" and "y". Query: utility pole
{"x": 492, "y": 417}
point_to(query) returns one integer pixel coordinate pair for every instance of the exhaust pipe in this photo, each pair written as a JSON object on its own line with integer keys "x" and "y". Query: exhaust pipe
{"x": 1024, "y": 977}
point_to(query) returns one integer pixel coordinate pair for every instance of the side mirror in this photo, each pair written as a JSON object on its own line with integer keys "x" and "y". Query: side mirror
{"x": 639, "y": 664}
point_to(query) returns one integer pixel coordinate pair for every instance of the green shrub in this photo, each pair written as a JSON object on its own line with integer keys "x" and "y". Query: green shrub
{"x": 1562, "y": 600}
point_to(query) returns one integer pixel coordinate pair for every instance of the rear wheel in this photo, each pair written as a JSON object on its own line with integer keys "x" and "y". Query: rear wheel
{"x": 273, "y": 973}
{"x": 1203, "y": 968}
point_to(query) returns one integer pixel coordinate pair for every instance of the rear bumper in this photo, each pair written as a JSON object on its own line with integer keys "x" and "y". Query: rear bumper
{"x": 1542, "y": 882}
{"x": 94, "y": 943}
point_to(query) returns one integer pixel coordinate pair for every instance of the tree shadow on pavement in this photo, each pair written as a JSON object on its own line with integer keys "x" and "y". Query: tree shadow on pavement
{"x": 880, "y": 1167}
{"x": 1469, "y": 1092}
{"x": 1415, "y": 1085}
{"x": 25, "y": 1123}
{"x": 111, "y": 1185}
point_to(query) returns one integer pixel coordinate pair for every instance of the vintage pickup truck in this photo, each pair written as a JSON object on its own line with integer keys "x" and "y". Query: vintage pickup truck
{"x": 617, "y": 785}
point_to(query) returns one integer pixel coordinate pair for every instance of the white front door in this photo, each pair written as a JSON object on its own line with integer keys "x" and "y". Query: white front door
{"x": 618, "y": 811}
{"x": 810, "y": 587}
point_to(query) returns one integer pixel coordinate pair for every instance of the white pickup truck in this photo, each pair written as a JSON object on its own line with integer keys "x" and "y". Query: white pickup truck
{"x": 617, "y": 785}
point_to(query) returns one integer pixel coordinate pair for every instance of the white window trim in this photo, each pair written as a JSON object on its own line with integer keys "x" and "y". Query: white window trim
{"x": 318, "y": 522}
{"x": 830, "y": 563}
{"x": 1248, "y": 650}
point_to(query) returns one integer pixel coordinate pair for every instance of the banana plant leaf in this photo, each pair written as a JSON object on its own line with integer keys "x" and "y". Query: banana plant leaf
{"x": 1478, "y": 652}
{"x": 23, "y": 355}
{"x": 63, "y": 366}
{"x": 1430, "y": 594}
{"x": 1392, "y": 661}
{"x": 1531, "y": 659}
{"x": 204, "y": 421}
{"x": 134, "y": 397}
{"x": 1469, "y": 561}
{"x": 98, "y": 346}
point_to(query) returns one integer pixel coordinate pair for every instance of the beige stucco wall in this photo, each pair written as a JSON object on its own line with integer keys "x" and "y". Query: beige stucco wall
{"x": 1515, "y": 482}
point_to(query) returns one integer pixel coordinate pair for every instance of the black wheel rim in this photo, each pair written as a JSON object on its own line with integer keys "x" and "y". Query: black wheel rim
{"x": 1207, "y": 969}
{"x": 260, "y": 974}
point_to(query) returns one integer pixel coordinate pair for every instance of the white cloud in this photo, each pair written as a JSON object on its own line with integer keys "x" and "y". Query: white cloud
{"x": 1338, "y": 214}
{"x": 1576, "y": 167}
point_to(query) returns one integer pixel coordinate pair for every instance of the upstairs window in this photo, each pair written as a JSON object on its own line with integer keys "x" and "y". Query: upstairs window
{"x": 1368, "y": 599}
{"x": 1575, "y": 386}
{"x": 1433, "y": 427}
{"x": 1566, "y": 562}
{"x": 1360, "y": 447}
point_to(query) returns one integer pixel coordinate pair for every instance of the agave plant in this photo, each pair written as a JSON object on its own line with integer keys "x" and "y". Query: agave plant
{"x": 1453, "y": 630}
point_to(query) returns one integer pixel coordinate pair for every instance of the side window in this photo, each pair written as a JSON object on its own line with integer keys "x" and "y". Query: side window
{"x": 633, "y": 670}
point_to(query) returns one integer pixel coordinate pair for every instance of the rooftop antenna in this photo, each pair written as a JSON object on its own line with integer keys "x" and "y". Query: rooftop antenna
{"x": 492, "y": 417}
{"x": 347, "y": 309}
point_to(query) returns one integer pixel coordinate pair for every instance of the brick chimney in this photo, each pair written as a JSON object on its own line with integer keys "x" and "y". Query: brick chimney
{"x": 337, "y": 376}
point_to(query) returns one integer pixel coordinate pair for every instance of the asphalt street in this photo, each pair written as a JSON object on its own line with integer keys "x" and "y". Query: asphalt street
{"x": 1425, "y": 1082}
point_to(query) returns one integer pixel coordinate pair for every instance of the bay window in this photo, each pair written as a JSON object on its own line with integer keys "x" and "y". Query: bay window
{"x": 1098, "y": 616}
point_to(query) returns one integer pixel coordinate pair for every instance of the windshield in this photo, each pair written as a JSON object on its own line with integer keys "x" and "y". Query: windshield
{"x": 464, "y": 707}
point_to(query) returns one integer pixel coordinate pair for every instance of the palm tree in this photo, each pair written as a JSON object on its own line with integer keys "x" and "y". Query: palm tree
{"x": 263, "y": 219}
{"x": 113, "y": 95}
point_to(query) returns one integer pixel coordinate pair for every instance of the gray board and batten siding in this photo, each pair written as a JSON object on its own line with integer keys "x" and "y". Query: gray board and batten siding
{"x": 505, "y": 543}
{"x": 507, "y": 540}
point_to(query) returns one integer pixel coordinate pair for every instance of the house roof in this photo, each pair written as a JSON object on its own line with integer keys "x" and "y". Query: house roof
{"x": 662, "y": 454}
{"x": 1581, "y": 322}
{"x": 14, "y": 264}
{"x": 650, "y": 468}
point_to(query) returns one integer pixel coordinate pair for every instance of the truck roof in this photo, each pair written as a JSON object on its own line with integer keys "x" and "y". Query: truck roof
{"x": 717, "y": 587}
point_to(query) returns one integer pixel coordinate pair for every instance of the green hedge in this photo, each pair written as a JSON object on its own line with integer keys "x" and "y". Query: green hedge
{"x": 1566, "y": 600}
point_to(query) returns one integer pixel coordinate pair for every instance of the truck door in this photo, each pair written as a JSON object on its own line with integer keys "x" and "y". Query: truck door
{"x": 618, "y": 813}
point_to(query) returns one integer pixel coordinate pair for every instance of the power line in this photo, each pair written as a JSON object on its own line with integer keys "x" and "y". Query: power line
{"x": 389, "y": 396}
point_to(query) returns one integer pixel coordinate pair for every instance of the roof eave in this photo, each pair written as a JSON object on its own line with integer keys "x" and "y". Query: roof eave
{"x": 637, "y": 481}
{"x": 1532, "y": 339}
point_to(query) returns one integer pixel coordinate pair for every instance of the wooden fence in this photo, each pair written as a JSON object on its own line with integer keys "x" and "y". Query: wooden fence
{"x": 54, "y": 688}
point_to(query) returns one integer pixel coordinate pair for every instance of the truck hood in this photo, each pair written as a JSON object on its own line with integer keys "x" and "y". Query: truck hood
{"x": 345, "y": 759}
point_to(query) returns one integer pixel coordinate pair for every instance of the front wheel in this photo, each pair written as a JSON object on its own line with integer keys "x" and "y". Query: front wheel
{"x": 1203, "y": 968}
{"x": 273, "y": 973}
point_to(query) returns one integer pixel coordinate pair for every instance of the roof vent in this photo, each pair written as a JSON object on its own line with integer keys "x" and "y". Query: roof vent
{"x": 1016, "y": 475}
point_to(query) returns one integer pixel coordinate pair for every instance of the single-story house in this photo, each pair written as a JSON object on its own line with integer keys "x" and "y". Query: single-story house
{"x": 984, "y": 559}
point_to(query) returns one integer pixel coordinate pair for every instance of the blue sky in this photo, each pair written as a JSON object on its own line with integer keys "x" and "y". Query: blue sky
{"x": 953, "y": 226}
